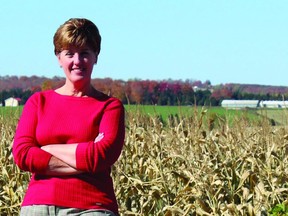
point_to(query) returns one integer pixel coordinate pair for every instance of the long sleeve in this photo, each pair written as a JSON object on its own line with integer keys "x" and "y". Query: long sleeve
{"x": 27, "y": 153}
{"x": 96, "y": 157}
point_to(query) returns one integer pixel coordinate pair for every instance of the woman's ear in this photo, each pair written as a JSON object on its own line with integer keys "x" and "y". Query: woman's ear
{"x": 59, "y": 59}
{"x": 96, "y": 60}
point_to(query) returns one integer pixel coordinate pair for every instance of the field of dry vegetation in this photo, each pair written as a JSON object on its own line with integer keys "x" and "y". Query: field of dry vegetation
{"x": 182, "y": 167}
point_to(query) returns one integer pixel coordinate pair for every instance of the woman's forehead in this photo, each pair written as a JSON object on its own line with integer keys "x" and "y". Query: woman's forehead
{"x": 77, "y": 48}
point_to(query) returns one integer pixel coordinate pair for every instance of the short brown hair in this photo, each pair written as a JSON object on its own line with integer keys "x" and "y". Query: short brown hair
{"x": 77, "y": 32}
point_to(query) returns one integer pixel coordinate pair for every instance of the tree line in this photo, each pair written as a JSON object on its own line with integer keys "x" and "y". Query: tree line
{"x": 147, "y": 92}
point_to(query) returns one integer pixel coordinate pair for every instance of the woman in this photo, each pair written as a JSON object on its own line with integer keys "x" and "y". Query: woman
{"x": 70, "y": 137}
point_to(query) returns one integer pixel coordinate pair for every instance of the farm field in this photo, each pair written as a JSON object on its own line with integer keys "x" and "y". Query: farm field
{"x": 280, "y": 116}
{"x": 212, "y": 113}
{"x": 10, "y": 111}
{"x": 202, "y": 162}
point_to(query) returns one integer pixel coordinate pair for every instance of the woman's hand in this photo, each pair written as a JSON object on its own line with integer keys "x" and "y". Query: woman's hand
{"x": 56, "y": 167}
{"x": 64, "y": 157}
{"x": 64, "y": 152}
{"x": 99, "y": 137}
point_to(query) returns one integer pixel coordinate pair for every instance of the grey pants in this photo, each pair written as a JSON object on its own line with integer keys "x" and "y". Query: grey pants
{"x": 48, "y": 210}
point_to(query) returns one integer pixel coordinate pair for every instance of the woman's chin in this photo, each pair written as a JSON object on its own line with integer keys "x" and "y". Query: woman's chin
{"x": 78, "y": 78}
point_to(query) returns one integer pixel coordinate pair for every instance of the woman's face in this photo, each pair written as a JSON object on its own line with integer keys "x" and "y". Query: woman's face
{"x": 77, "y": 64}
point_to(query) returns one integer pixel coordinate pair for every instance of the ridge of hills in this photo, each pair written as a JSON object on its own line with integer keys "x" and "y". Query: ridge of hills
{"x": 37, "y": 82}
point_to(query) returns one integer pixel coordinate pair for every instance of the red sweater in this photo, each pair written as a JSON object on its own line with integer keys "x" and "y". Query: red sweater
{"x": 51, "y": 118}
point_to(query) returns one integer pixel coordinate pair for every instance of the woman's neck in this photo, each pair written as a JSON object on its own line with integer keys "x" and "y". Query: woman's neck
{"x": 70, "y": 90}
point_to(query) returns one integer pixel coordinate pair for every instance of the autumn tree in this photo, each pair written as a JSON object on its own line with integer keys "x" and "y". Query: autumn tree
{"x": 46, "y": 85}
{"x": 136, "y": 91}
{"x": 118, "y": 89}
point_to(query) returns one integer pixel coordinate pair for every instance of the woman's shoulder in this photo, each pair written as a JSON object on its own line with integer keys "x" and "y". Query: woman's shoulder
{"x": 37, "y": 98}
{"x": 105, "y": 98}
{"x": 98, "y": 95}
{"x": 40, "y": 94}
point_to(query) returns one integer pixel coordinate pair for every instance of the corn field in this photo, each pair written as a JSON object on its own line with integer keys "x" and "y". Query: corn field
{"x": 182, "y": 167}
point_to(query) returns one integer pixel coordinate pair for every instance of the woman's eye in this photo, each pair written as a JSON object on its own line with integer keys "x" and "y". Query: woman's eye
{"x": 85, "y": 53}
{"x": 69, "y": 54}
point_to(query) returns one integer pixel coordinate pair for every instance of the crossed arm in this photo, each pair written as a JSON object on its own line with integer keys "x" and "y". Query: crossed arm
{"x": 63, "y": 160}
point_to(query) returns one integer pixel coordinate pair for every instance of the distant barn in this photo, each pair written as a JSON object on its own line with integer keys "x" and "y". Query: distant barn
{"x": 12, "y": 102}
{"x": 240, "y": 104}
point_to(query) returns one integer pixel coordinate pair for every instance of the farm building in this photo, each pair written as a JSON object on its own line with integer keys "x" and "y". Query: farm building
{"x": 240, "y": 104}
{"x": 12, "y": 102}
{"x": 274, "y": 104}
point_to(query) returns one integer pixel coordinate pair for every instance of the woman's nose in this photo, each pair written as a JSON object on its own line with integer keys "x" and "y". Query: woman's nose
{"x": 76, "y": 58}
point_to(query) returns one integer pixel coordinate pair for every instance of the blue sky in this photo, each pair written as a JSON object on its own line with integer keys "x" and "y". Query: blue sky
{"x": 224, "y": 41}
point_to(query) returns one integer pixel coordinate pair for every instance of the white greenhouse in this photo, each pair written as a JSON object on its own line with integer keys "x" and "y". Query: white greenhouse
{"x": 240, "y": 104}
{"x": 274, "y": 104}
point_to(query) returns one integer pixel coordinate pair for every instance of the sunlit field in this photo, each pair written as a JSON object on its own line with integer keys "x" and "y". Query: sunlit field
{"x": 213, "y": 113}
{"x": 183, "y": 161}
